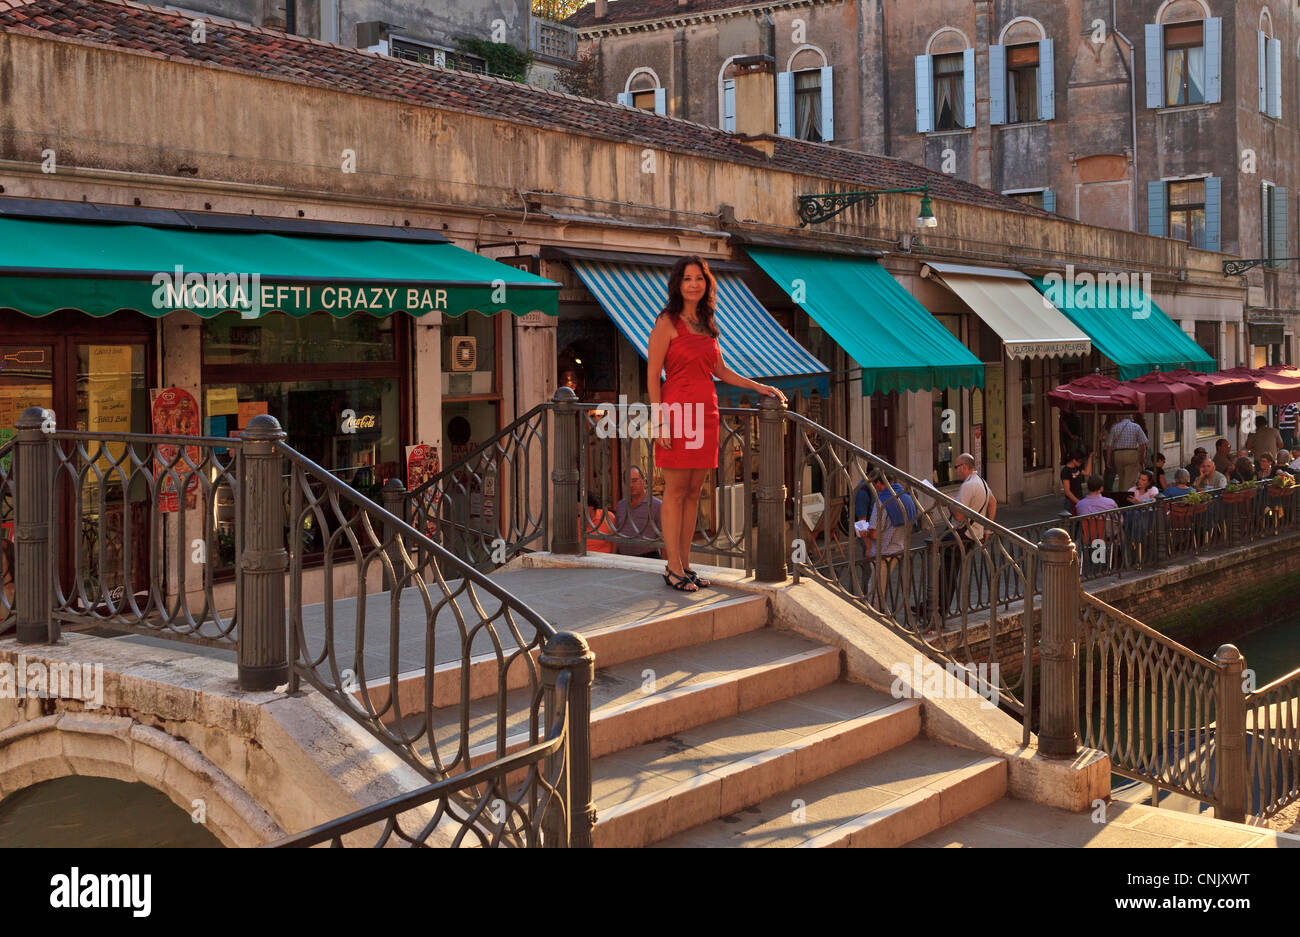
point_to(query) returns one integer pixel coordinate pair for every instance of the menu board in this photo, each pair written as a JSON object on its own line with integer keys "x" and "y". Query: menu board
{"x": 422, "y": 464}
{"x": 14, "y": 399}
{"x": 995, "y": 409}
{"x": 108, "y": 398}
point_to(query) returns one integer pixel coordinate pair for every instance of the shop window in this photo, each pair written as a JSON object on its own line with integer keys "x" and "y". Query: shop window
{"x": 1035, "y": 381}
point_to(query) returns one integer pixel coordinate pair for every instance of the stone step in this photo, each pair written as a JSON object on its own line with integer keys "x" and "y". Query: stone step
{"x": 886, "y": 801}
{"x": 674, "y": 629}
{"x": 655, "y": 696}
{"x": 666, "y": 786}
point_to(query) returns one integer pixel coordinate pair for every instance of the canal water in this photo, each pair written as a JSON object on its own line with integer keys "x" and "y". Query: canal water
{"x": 81, "y": 812}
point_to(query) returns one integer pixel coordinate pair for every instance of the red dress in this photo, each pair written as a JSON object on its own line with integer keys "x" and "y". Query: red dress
{"x": 689, "y": 364}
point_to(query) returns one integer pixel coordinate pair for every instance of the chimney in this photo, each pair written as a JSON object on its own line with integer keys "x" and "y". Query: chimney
{"x": 682, "y": 4}
{"x": 755, "y": 77}
{"x": 600, "y": 9}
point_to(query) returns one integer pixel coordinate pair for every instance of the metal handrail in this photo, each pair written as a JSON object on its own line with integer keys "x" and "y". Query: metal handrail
{"x": 8, "y": 619}
{"x": 490, "y": 775}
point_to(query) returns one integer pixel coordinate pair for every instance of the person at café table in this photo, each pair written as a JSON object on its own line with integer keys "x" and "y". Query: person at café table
{"x": 1145, "y": 490}
{"x": 1223, "y": 456}
{"x": 1264, "y": 439}
{"x": 1242, "y": 471}
{"x": 1208, "y": 477}
{"x": 1182, "y": 485}
{"x": 1265, "y": 468}
{"x": 1289, "y": 461}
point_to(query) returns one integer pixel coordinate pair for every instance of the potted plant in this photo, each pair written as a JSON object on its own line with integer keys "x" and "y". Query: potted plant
{"x": 1281, "y": 486}
{"x": 1239, "y": 492}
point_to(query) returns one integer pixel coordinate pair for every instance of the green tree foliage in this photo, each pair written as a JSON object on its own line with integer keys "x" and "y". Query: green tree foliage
{"x": 557, "y": 11}
{"x": 503, "y": 60}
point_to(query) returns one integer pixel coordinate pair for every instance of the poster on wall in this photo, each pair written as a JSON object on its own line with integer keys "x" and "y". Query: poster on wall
{"x": 175, "y": 413}
{"x": 108, "y": 397}
{"x": 422, "y": 465}
{"x": 995, "y": 413}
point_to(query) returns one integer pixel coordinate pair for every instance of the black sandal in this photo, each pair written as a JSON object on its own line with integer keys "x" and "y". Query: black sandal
{"x": 680, "y": 583}
{"x": 694, "y": 577}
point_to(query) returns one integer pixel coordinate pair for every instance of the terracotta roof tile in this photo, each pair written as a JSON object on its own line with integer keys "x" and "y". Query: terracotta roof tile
{"x": 126, "y": 25}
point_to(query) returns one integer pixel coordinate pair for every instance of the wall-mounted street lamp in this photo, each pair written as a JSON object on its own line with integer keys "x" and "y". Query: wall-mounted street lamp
{"x": 1237, "y": 268}
{"x": 814, "y": 209}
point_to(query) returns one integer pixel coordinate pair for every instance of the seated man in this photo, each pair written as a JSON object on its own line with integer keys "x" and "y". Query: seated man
{"x": 1182, "y": 485}
{"x": 1095, "y": 502}
{"x": 1208, "y": 478}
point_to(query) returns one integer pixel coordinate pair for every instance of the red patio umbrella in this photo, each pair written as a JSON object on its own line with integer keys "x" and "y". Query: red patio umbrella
{"x": 1221, "y": 388}
{"x": 1163, "y": 392}
{"x": 1098, "y": 393}
{"x": 1275, "y": 385}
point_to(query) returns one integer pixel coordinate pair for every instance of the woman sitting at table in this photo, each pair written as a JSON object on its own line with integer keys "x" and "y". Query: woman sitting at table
{"x": 1145, "y": 490}
{"x": 1266, "y": 468}
{"x": 1242, "y": 471}
{"x": 1182, "y": 485}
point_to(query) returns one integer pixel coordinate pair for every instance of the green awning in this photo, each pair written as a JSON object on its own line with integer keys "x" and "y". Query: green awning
{"x": 892, "y": 337}
{"x": 1124, "y": 324}
{"x": 105, "y": 268}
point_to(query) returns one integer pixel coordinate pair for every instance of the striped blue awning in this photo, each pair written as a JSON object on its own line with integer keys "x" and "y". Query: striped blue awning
{"x": 753, "y": 343}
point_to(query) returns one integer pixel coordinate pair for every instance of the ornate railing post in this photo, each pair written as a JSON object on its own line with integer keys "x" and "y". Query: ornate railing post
{"x": 33, "y": 562}
{"x": 394, "y": 501}
{"x": 263, "y": 653}
{"x": 1230, "y": 736}
{"x": 773, "y": 539}
{"x": 1058, "y": 727}
{"x": 569, "y": 651}
{"x": 565, "y": 533}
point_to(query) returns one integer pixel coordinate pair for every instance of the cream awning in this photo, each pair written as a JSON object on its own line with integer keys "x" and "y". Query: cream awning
{"x": 1029, "y": 325}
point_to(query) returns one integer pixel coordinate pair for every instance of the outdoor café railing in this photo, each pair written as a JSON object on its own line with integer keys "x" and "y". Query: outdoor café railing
{"x": 1144, "y": 536}
{"x": 1186, "y": 723}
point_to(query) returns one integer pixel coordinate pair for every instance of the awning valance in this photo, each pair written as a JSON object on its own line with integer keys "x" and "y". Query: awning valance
{"x": 105, "y": 268}
{"x": 753, "y": 343}
{"x": 895, "y": 341}
{"x": 1029, "y": 325}
{"x": 1127, "y": 327}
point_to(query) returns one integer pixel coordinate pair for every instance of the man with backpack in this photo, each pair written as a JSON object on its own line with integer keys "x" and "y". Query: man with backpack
{"x": 960, "y": 546}
{"x": 883, "y": 518}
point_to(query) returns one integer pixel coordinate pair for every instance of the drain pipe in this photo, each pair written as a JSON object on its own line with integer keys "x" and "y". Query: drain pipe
{"x": 1131, "y": 68}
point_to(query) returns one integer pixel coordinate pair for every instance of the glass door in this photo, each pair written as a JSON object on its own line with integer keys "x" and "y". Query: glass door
{"x": 112, "y": 396}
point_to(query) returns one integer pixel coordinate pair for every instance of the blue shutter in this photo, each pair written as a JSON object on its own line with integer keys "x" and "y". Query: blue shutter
{"x": 1262, "y": 42}
{"x": 1275, "y": 78}
{"x": 828, "y": 106}
{"x": 1046, "y": 81}
{"x": 1155, "y": 66}
{"x": 968, "y": 79}
{"x": 1157, "y": 209}
{"x": 924, "y": 94}
{"x": 1049, "y": 200}
{"x": 785, "y": 104}
{"x": 625, "y": 98}
{"x": 997, "y": 85}
{"x": 729, "y": 105}
{"x": 1213, "y": 60}
{"x": 1281, "y": 233}
{"x": 661, "y": 101}
{"x": 1213, "y": 217}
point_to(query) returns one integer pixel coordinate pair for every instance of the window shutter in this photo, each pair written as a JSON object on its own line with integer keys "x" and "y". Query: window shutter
{"x": 1281, "y": 233}
{"x": 828, "y": 106}
{"x": 1157, "y": 209}
{"x": 661, "y": 101}
{"x": 997, "y": 85}
{"x": 1275, "y": 78}
{"x": 1046, "y": 81}
{"x": 625, "y": 98}
{"x": 924, "y": 94}
{"x": 1262, "y": 42}
{"x": 968, "y": 79}
{"x": 1213, "y": 227}
{"x": 1213, "y": 60}
{"x": 1049, "y": 200}
{"x": 785, "y": 104}
{"x": 729, "y": 105}
{"x": 1155, "y": 66}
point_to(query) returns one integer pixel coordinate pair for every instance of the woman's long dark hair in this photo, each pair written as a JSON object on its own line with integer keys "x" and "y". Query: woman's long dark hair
{"x": 708, "y": 302}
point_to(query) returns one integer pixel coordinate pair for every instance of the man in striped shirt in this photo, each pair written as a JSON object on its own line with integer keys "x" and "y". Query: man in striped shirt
{"x": 1126, "y": 450}
{"x": 1287, "y": 422}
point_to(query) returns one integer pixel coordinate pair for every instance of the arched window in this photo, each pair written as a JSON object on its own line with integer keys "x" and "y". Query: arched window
{"x": 643, "y": 90}
{"x": 1022, "y": 74}
{"x": 1183, "y": 55}
{"x": 945, "y": 83}
{"x": 1270, "y": 66}
{"x": 805, "y": 97}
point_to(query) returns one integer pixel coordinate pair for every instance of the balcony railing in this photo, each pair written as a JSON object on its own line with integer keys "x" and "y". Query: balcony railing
{"x": 552, "y": 41}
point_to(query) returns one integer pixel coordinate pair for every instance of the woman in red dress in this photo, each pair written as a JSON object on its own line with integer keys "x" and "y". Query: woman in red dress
{"x": 684, "y": 342}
